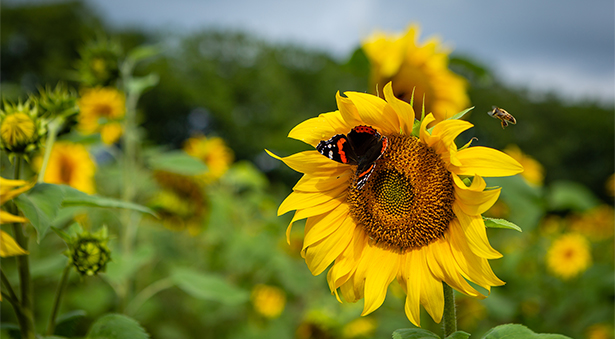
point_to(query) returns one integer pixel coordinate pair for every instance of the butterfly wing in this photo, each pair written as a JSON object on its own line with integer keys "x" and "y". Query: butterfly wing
{"x": 339, "y": 149}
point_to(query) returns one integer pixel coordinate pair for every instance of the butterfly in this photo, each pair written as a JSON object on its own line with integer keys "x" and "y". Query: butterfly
{"x": 362, "y": 146}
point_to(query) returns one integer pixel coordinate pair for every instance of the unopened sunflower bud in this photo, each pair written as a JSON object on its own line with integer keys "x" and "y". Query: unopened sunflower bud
{"x": 20, "y": 128}
{"x": 61, "y": 101}
{"x": 89, "y": 253}
{"x": 99, "y": 63}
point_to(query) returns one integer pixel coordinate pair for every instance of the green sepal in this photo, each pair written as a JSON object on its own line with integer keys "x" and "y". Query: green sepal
{"x": 501, "y": 223}
{"x": 518, "y": 332}
{"x": 460, "y": 114}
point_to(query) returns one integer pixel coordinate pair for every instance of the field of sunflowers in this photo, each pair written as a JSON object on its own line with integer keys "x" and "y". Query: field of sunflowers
{"x": 214, "y": 185}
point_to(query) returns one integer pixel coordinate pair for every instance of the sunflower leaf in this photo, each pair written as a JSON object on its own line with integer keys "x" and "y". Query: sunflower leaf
{"x": 208, "y": 287}
{"x": 519, "y": 332}
{"x": 40, "y": 205}
{"x": 460, "y": 114}
{"x": 414, "y": 333}
{"x": 500, "y": 223}
{"x": 74, "y": 197}
{"x": 116, "y": 326}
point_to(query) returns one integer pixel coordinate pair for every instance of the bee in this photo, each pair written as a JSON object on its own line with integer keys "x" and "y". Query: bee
{"x": 504, "y": 116}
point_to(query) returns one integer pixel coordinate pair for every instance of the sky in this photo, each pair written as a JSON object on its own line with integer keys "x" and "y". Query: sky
{"x": 566, "y": 46}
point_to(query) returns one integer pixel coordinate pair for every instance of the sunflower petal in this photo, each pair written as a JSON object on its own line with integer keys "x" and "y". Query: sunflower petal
{"x": 432, "y": 295}
{"x": 301, "y": 200}
{"x": 486, "y": 162}
{"x": 9, "y": 247}
{"x": 319, "y": 227}
{"x": 447, "y": 130}
{"x": 314, "y": 183}
{"x": 8, "y": 218}
{"x": 311, "y": 162}
{"x": 346, "y": 263}
{"x": 404, "y": 111}
{"x": 443, "y": 266}
{"x": 314, "y": 211}
{"x": 323, "y": 127}
{"x": 382, "y": 267}
{"x": 423, "y": 134}
{"x": 348, "y": 110}
{"x": 370, "y": 108}
{"x": 474, "y": 200}
{"x": 319, "y": 255}
{"x": 476, "y": 233}
{"x": 415, "y": 262}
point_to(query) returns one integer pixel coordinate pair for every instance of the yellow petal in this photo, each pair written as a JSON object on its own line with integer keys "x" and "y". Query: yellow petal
{"x": 486, "y": 162}
{"x": 312, "y": 183}
{"x": 473, "y": 267}
{"x": 319, "y": 227}
{"x": 314, "y": 211}
{"x": 9, "y": 247}
{"x": 404, "y": 111}
{"x": 323, "y": 127}
{"x": 474, "y": 200}
{"x": 370, "y": 108}
{"x": 443, "y": 266}
{"x": 381, "y": 268}
{"x": 348, "y": 110}
{"x": 476, "y": 233}
{"x": 8, "y": 218}
{"x": 423, "y": 134}
{"x": 347, "y": 262}
{"x": 432, "y": 295}
{"x": 311, "y": 162}
{"x": 415, "y": 262}
{"x": 7, "y": 184}
{"x": 301, "y": 200}
{"x": 10, "y": 194}
{"x": 447, "y": 130}
{"x": 319, "y": 255}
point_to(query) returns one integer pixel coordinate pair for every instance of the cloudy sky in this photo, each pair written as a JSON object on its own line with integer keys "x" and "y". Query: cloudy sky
{"x": 563, "y": 45}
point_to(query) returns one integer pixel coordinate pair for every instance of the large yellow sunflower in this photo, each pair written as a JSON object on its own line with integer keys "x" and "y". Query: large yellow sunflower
{"x": 71, "y": 164}
{"x": 416, "y": 68}
{"x": 417, "y": 218}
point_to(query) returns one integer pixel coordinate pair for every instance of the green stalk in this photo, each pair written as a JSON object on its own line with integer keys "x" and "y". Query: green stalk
{"x": 52, "y": 131}
{"x": 449, "y": 317}
{"x": 57, "y": 299}
{"x": 147, "y": 293}
{"x": 26, "y": 314}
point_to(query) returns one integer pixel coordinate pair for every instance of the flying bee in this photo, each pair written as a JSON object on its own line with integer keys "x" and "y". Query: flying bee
{"x": 504, "y": 116}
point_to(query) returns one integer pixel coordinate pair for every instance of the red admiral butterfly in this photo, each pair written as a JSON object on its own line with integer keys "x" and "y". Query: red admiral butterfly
{"x": 362, "y": 146}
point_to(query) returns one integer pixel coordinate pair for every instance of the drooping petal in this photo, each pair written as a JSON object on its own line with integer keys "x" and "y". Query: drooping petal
{"x": 423, "y": 134}
{"x": 476, "y": 233}
{"x": 347, "y": 262}
{"x": 443, "y": 266}
{"x": 9, "y": 247}
{"x": 432, "y": 295}
{"x": 486, "y": 162}
{"x": 446, "y": 131}
{"x": 474, "y": 200}
{"x": 318, "y": 256}
{"x": 348, "y": 110}
{"x": 8, "y": 218}
{"x": 415, "y": 266}
{"x": 381, "y": 267}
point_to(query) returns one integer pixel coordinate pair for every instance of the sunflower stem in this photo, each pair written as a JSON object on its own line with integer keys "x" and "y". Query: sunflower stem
{"x": 11, "y": 293}
{"x": 25, "y": 314}
{"x": 449, "y": 322}
{"x": 52, "y": 131}
{"x": 57, "y": 299}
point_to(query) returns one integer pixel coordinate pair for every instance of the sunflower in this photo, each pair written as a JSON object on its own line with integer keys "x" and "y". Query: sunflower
{"x": 70, "y": 164}
{"x": 268, "y": 301}
{"x": 213, "y": 152}
{"x": 9, "y": 189}
{"x": 101, "y": 109}
{"x": 533, "y": 173}
{"x": 569, "y": 255}
{"x": 416, "y": 68}
{"x": 417, "y": 218}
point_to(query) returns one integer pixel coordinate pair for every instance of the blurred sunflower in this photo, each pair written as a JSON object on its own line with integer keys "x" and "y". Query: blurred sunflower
{"x": 213, "y": 152}
{"x": 600, "y": 331}
{"x": 569, "y": 255}
{"x": 268, "y": 301}
{"x": 21, "y": 128}
{"x": 419, "y": 69}
{"x": 533, "y": 173}
{"x": 596, "y": 224}
{"x": 417, "y": 218}
{"x": 181, "y": 202}
{"x": 10, "y": 189}
{"x": 70, "y": 164}
{"x": 101, "y": 110}
{"x": 360, "y": 328}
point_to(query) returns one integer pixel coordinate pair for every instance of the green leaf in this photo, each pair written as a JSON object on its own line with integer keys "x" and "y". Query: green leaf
{"x": 565, "y": 195}
{"x": 208, "y": 287}
{"x": 500, "y": 223}
{"x": 414, "y": 333}
{"x": 41, "y": 205}
{"x": 74, "y": 197}
{"x": 460, "y": 114}
{"x": 517, "y": 331}
{"x": 177, "y": 162}
{"x": 459, "y": 335}
{"x": 67, "y": 323}
{"x": 116, "y": 326}
{"x": 143, "y": 52}
{"x": 141, "y": 84}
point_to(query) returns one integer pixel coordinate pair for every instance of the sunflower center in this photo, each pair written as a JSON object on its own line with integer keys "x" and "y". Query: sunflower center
{"x": 407, "y": 203}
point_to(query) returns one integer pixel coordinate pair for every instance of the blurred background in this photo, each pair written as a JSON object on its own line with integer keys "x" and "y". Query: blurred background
{"x": 247, "y": 72}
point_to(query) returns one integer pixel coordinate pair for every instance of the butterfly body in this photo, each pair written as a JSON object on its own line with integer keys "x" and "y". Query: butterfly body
{"x": 362, "y": 146}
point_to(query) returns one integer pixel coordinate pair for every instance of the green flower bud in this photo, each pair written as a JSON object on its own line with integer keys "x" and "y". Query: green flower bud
{"x": 59, "y": 102}
{"x": 89, "y": 253}
{"x": 99, "y": 63}
{"x": 21, "y": 129}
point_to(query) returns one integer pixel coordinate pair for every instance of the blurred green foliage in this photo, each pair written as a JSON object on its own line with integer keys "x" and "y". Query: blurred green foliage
{"x": 252, "y": 93}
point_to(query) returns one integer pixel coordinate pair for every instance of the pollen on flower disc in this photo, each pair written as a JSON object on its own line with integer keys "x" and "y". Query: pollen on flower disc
{"x": 407, "y": 202}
